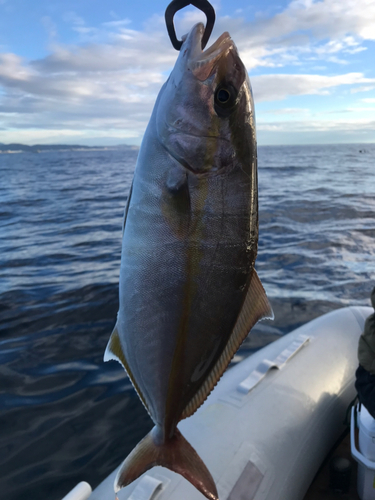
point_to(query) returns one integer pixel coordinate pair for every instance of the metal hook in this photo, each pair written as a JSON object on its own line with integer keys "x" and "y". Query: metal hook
{"x": 177, "y": 5}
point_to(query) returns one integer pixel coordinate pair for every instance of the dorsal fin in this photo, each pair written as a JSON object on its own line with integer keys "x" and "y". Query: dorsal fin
{"x": 255, "y": 307}
{"x": 114, "y": 351}
{"x": 127, "y": 208}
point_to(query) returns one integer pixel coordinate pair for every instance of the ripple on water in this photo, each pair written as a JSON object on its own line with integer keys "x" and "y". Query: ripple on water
{"x": 65, "y": 415}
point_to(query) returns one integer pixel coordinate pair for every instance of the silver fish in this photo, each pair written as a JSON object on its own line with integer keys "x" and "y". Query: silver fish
{"x": 189, "y": 293}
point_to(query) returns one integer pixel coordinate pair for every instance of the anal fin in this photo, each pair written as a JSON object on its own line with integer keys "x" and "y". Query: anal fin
{"x": 255, "y": 307}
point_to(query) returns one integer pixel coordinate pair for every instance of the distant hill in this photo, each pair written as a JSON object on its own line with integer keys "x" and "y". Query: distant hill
{"x": 39, "y": 148}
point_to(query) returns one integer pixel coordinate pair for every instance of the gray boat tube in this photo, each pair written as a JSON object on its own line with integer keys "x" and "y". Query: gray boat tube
{"x": 271, "y": 420}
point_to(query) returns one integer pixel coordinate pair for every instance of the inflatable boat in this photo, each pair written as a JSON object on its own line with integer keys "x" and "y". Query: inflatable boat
{"x": 268, "y": 425}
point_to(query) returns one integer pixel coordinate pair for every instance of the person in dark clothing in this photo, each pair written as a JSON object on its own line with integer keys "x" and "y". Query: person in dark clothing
{"x": 365, "y": 374}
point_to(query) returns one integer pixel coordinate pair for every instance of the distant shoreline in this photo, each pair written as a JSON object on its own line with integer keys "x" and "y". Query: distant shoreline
{"x": 47, "y": 148}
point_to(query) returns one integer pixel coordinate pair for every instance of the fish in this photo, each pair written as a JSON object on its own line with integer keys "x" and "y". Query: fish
{"x": 188, "y": 290}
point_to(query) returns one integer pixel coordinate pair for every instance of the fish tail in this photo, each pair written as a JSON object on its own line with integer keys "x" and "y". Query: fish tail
{"x": 175, "y": 454}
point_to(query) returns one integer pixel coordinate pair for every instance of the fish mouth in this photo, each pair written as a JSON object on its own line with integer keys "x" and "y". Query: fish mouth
{"x": 202, "y": 62}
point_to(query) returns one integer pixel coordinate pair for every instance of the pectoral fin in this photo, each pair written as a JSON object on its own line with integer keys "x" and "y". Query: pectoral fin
{"x": 255, "y": 307}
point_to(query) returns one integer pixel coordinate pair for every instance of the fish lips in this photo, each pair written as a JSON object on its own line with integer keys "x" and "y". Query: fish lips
{"x": 202, "y": 63}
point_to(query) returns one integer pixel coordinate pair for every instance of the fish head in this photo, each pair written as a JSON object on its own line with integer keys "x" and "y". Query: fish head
{"x": 205, "y": 113}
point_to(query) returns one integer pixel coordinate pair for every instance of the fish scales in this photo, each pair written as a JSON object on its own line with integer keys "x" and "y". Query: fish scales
{"x": 188, "y": 289}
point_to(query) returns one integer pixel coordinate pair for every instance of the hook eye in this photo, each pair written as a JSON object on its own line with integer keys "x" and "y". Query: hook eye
{"x": 177, "y": 5}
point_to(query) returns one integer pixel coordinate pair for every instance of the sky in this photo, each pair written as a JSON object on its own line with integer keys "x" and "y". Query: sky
{"x": 88, "y": 71}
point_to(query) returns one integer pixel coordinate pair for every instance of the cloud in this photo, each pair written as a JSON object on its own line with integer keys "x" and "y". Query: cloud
{"x": 343, "y": 126}
{"x": 277, "y": 86}
{"x": 50, "y": 27}
{"x": 12, "y": 69}
{"x": 364, "y": 88}
{"x": 117, "y": 23}
{"x": 326, "y": 18}
{"x": 301, "y": 31}
{"x": 288, "y": 111}
{"x": 72, "y": 18}
{"x": 366, "y": 109}
{"x": 94, "y": 86}
{"x": 316, "y": 131}
{"x": 69, "y": 136}
{"x": 110, "y": 78}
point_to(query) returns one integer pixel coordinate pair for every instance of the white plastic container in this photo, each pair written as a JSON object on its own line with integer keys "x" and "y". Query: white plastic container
{"x": 80, "y": 492}
{"x": 366, "y": 424}
{"x": 365, "y": 456}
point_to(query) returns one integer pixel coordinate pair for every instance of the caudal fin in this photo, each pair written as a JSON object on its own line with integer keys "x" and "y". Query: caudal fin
{"x": 176, "y": 454}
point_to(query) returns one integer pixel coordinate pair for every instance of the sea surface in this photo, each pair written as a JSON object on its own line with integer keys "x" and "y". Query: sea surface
{"x": 65, "y": 416}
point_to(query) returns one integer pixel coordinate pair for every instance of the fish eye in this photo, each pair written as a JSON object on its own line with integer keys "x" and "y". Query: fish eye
{"x": 223, "y": 96}
{"x": 224, "y": 100}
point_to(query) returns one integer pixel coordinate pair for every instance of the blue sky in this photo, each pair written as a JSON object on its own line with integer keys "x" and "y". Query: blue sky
{"x": 88, "y": 71}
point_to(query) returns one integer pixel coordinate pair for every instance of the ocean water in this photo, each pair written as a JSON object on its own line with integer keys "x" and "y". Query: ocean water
{"x": 65, "y": 416}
